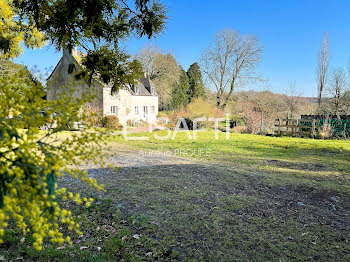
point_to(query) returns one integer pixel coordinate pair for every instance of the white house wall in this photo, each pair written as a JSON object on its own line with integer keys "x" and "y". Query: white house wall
{"x": 141, "y": 102}
{"x": 126, "y": 103}
{"x": 123, "y": 99}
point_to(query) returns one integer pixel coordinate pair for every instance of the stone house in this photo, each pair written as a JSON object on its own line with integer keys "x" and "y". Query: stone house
{"x": 137, "y": 104}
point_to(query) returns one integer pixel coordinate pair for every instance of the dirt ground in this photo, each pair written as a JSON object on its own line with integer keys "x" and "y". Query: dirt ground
{"x": 221, "y": 212}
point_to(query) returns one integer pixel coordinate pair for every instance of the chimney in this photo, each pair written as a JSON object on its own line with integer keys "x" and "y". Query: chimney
{"x": 73, "y": 52}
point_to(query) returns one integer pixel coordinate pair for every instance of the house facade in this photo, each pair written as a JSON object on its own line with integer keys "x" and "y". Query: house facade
{"x": 135, "y": 104}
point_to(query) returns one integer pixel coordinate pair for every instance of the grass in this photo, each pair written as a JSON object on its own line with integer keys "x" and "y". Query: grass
{"x": 238, "y": 203}
{"x": 107, "y": 237}
{"x": 292, "y": 157}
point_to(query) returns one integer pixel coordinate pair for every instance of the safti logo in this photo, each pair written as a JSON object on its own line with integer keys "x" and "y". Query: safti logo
{"x": 181, "y": 126}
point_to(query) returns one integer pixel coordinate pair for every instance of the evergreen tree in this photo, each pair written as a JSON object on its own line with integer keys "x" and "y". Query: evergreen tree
{"x": 97, "y": 27}
{"x": 180, "y": 91}
{"x": 196, "y": 87}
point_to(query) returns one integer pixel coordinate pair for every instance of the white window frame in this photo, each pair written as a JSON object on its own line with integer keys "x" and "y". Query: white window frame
{"x": 136, "y": 110}
{"x": 145, "y": 111}
{"x": 153, "y": 109}
{"x": 153, "y": 91}
{"x": 114, "y": 110}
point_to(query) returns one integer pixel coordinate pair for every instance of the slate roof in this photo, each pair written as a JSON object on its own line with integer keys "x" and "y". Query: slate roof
{"x": 144, "y": 85}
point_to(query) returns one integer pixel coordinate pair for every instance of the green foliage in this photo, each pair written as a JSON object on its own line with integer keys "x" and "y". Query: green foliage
{"x": 196, "y": 88}
{"x": 107, "y": 237}
{"x": 189, "y": 123}
{"x": 67, "y": 23}
{"x": 255, "y": 150}
{"x": 14, "y": 32}
{"x": 31, "y": 160}
{"x": 114, "y": 67}
{"x": 180, "y": 91}
{"x": 111, "y": 121}
{"x": 97, "y": 27}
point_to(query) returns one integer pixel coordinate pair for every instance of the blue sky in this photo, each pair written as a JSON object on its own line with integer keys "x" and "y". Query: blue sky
{"x": 290, "y": 30}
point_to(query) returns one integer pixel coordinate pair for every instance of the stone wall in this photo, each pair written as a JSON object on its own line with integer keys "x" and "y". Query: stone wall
{"x": 61, "y": 82}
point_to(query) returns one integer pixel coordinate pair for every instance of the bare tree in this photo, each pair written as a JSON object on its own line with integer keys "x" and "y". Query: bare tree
{"x": 322, "y": 67}
{"x": 230, "y": 61}
{"x": 162, "y": 69}
{"x": 147, "y": 57}
{"x": 293, "y": 98}
{"x": 337, "y": 90}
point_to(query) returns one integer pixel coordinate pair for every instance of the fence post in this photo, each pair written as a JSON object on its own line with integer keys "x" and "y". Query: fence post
{"x": 313, "y": 132}
{"x": 279, "y": 126}
{"x": 297, "y": 128}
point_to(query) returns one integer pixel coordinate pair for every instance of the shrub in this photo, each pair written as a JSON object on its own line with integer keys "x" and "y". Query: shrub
{"x": 93, "y": 115}
{"x": 164, "y": 113}
{"x": 240, "y": 129}
{"x": 31, "y": 162}
{"x": 174, "y": 118}
{"x": 111, "y": 121}
{"x": 198, "y": 108}
{"x": 326, "y": 131}
{"x": 202, "y": 108}
{"x": 252, "y": 121}
{"x": 189, "y": 123}
{"x": 233, "y": 123}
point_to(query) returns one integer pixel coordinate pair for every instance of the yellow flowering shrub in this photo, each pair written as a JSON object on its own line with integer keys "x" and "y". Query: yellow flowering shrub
{"x": 31, "y": 160}
{"x": 14, "y": 32}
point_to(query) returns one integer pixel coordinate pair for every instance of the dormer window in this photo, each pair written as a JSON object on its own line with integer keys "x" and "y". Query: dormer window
{"x": 137, "y": 90}
{"x": 153, "y": 91}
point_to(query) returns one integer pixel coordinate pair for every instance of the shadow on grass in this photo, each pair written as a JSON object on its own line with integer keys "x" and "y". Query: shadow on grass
{"x": 178, "y": 212}
{"x": 215, "y": 213}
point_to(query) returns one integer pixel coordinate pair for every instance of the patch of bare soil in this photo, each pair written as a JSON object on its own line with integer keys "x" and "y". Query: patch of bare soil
{"x": 299, "y": 165}
{"x": 215, "y": 212}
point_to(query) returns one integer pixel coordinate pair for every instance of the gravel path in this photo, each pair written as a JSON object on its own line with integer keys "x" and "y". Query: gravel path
{"x": 123, "y": 160}
{"x": 133, "y": 158}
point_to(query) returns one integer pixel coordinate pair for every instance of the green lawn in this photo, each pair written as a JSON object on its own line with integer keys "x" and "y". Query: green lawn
{"x": 252, "y": 198}
{"x": 287, "y": 156}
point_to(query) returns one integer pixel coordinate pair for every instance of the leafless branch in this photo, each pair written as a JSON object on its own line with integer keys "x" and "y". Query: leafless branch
{"x": 322, "y": 67}
{"x": 147, "y": 57}
{"x": 336, "y": 90}
{"x": 229, "y": 62}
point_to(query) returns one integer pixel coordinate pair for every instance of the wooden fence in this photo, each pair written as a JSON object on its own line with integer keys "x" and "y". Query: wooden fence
{"x": 297, "y": 127}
